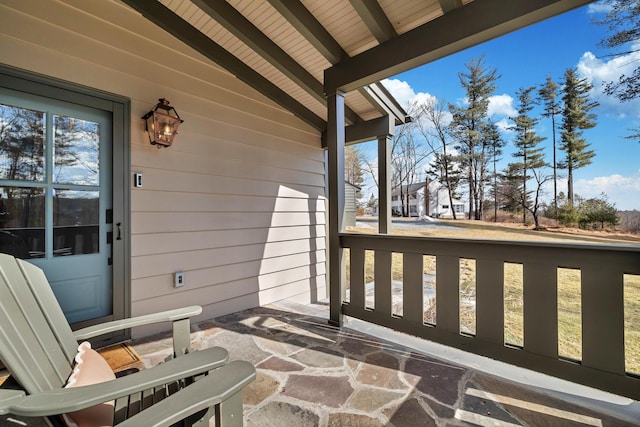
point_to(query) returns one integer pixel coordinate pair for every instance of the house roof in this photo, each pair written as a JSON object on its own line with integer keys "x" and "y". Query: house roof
{"x": 296, "y": 51}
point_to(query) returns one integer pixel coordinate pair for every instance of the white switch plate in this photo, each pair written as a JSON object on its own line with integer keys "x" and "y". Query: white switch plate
{"x": 137, "y": 180}
{"x": 178, "y": 279}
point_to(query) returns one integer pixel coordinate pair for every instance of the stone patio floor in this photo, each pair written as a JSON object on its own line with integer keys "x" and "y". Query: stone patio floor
{"x": 312, "y": 374}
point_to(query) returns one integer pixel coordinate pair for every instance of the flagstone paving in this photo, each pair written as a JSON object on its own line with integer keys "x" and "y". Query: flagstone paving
{"x": 312, "y": 374}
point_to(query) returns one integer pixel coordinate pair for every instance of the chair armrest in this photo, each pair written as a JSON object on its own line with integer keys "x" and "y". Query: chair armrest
{"x": 213, "y": 389}
{"x": 118, "y": 325}
{"x": 8, "y": 397}
{"x": 64, "y": 400}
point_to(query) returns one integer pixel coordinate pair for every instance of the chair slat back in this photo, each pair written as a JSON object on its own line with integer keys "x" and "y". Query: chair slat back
{"x": 36, "y": 342}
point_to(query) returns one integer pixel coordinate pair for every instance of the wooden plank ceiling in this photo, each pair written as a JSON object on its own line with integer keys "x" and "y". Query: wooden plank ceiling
{"x": 296, "y": 51}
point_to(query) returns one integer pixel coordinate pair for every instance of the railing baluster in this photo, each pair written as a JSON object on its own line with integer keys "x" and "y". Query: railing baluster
{"x": 383, "y": 282}
{"x": 448, "y": 293}
{"x": 412, "y": 276}
{"x": 603, "y": 316}
{"x": 356, "y": 277}
{"x": 490, "y": 300}
{"x": 540, "y": 295}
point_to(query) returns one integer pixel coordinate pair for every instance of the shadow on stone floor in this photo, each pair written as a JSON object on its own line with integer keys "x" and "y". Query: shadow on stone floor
{"x": 313, "y": 374}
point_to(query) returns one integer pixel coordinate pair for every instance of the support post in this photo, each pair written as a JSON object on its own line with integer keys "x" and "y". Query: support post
{"x": 335, "y": 146}
{"x": 384, "y": 179}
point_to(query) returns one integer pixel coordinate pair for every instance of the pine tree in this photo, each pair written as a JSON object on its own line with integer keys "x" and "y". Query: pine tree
{"x": 576, "y": 117}
{"x": 598, "y": 211}
{"x": 468, "y": 125}
{"x": 444, "y": 169}
{"x": 624, "y": 20}
{"x": 549, "y": 96}
{"x": 531, "y": 157}
{"x": 510, "y": 188}
{"x": 495, "y": 144}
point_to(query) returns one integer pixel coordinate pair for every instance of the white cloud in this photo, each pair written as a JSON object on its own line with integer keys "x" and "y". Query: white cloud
{"x": 422, "y": 98}
{"x": 599, "y": 72}
{"x": 623, "y": 191}
{"x": 501, "y": 105}
{"x": 409, "y": 99}
{"x": 598, "y": 7}
{"x": 401, "y": 91}
{"x": 505, "y": 126}
{"x": 405, "y": 95}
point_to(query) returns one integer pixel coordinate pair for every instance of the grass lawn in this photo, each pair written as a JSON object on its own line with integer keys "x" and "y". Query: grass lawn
{"x": 569, "y": 298}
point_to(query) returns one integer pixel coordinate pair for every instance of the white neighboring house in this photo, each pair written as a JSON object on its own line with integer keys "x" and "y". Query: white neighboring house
{"x": 438, "y": 200}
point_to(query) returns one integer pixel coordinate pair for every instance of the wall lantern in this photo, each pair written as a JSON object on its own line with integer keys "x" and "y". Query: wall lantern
{"x": 162, "y": 123}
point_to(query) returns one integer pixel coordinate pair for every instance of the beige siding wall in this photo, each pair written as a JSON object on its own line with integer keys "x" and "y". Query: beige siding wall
{"x": 236, "y": 203}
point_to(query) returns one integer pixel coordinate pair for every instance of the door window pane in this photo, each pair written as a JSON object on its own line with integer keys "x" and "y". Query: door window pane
{"x": 76, "y": 217}
{"x": 22, "y": 136}
{"x": 22, "y": 222}
{"x": 76, "y": 147}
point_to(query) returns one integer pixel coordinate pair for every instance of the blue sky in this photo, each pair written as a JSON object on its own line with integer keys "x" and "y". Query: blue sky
{"x": 525, "y": 58}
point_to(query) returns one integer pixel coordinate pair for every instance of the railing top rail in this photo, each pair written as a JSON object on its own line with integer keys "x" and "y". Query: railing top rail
{"x": 368, "y": 239}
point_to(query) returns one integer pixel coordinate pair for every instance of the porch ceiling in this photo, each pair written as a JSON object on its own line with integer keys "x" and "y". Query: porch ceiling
{"x": 296, "y": 51}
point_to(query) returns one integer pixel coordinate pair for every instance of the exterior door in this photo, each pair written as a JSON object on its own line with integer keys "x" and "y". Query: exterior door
{"x": 56, "y": 197}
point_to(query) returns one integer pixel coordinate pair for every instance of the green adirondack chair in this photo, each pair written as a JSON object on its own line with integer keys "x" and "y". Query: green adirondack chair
{"x": 38, "y": 347}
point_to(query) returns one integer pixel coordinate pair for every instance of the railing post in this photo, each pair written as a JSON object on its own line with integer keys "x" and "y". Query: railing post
{"x": 448, "y": 293}
{"x": 413, "y": 295}
{"x": 603, "y": 316}
{"x": 490, "y": 300}
{"x": 382, "y": 284}
{"x": 540, "y": 295}
{"x": 384, "y": 180}
{"x": 336, "y": 262}
{"x": 356, "y": 267}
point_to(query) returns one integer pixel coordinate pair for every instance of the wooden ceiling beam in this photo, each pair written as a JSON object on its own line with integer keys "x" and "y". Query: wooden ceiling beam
{"x": 466, "y": 26}
{"x": 234, "y": 22}
{"x": 375, "y": 19}
{"x": 182, "y": 30}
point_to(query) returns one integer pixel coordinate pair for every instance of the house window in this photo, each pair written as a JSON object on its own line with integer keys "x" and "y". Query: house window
{"x": 413, "y": 209}
{"x": 394, "y": 198}
{"x": 445, "y": 206}
{"x": 458, "y": 208}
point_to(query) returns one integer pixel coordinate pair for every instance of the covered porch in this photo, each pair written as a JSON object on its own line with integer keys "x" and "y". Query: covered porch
{"x": 252, "y": 223}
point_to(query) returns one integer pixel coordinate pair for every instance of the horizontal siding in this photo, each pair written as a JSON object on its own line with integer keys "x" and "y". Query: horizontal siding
{"x": 182, "y": 180}
{"x": 153, "y": 201}
{"x": 161, "y": 222}
{"x": 158, "y": 243}
{"x": 201, "y": 280}
{"x": 154, "y": 265}
{"x": 237, "y": 202}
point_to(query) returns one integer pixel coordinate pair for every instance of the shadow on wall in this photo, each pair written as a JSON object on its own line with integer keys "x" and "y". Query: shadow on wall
{"x": 293, "y": 261}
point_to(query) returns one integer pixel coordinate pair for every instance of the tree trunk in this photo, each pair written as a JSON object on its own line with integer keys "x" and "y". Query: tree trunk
{"x": 495, "y": 190}
{"x": 570, "y": 183}
{"x": 555, "y": 168}
{"x": 453, "y": 211}
{"x": 472, "y": 194}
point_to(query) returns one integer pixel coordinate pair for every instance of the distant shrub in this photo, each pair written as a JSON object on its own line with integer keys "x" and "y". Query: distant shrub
{"x": 630, "y": 221}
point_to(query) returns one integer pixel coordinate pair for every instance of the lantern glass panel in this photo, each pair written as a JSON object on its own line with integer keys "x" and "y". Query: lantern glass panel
{"x": 164, "y": 128}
